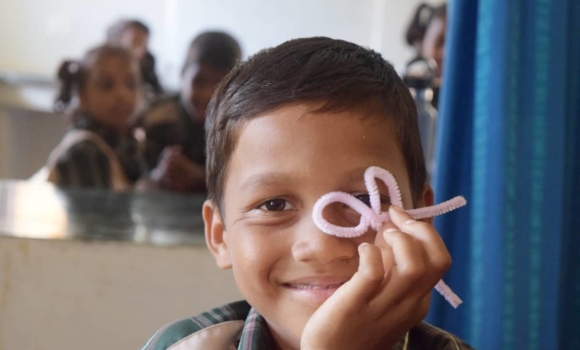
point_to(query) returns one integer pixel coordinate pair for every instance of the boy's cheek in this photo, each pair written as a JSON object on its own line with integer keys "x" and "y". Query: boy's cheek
{"x": 251, "y": 240}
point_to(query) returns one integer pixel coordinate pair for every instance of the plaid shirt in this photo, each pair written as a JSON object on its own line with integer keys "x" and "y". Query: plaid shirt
{"x": 254, "y": 334}
{"x": 85, "y": 165}
{"x": 166, "y": 123}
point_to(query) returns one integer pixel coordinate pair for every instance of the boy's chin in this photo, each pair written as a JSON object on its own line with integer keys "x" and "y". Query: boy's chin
{"x": 290, "y": 331}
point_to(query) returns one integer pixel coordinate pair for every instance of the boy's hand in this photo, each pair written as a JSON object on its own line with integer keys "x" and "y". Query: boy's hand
{"x": 388, "y": 295}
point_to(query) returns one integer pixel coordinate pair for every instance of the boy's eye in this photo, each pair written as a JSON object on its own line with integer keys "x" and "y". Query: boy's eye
{"x": 365, "y": 198}
{"x": 277, "y": 204}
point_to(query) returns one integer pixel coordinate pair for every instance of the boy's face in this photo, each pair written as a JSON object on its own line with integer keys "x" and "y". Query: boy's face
{"x": 283, "y": 163}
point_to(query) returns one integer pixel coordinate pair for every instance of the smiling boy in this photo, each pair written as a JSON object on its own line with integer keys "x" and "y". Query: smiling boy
{"x": 291, "y": 124}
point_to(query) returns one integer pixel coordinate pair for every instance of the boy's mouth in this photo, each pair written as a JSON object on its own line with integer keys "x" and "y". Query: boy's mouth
{"x": 312, "y": 286}
{"x": 314, "y": 290}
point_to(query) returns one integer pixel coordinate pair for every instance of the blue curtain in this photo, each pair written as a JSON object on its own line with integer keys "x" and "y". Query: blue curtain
{"x": 509, "y": 141}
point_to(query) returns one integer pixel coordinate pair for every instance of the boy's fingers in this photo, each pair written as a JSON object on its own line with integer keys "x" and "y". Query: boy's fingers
{"x": 398, "y": 216}
{"x": 408, "y": 269}
{"x": 407, "y": 254}
{"x": 421, "y": 308}
{"x": 432, "y": 243}
{"x": 426, "y": 234}
{"x": 367, "y": 281}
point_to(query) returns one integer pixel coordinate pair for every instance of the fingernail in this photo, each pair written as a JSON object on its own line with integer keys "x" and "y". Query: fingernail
{"x": 409, "y": 222}
{"x": 362, "y": 246}
{"x": 397, "y": 208}
{"x": 390, "y": 230}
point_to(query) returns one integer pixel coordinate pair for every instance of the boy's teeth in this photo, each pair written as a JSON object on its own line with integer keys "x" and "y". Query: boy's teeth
{"x": 310, "y": 286}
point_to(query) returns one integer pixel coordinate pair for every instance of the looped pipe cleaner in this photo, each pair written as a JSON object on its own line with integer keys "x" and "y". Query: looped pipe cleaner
{"x": 371, "y": 217}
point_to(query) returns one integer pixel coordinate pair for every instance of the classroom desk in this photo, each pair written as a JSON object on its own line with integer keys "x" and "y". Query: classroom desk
{"x": 91, "y": 269}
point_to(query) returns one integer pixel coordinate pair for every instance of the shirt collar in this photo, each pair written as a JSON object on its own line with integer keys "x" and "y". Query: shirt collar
{"x": 86, "y": 122}
{"x": 256, "y": 335}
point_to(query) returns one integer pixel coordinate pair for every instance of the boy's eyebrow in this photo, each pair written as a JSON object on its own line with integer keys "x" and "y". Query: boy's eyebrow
{"x": 356, "y": 174}
{"x": 270, "y": 179}
{"x": 264, "y": 180}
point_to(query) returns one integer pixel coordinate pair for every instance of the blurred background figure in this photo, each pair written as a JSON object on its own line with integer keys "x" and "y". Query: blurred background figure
{"x": 134, "y": 35}
{"x": 423, "y": 74}
{"x": 34, "y": 45}
{"x": 426, "y": 34}
{"x": 100, "y": 94}
{"x": 210, "y": 57}
{"x": 174, "y": 127}
{"x": 419, "y": 77}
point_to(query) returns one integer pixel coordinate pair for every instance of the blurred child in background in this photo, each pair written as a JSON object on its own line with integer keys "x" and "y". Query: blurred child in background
{"x": 134, "y": 36}
{"x": 426, "y": 33}
{"x": 174, "y": 127}
{"x": 100, "y": 93}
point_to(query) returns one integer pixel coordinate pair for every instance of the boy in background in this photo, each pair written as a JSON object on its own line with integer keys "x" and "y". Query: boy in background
{"x": 174, "y": 127}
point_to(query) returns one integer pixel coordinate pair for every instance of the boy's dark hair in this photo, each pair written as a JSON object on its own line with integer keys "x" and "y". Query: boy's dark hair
{"x": 72, "y": 74}
{"x": 218, "y": 49}
{"x": 116, "y": 30}
{"x": 422, "y": 18}
{"x": 338, "y": 74}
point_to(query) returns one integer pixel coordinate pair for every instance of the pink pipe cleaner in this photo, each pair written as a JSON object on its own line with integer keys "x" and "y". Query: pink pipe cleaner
{"x": 373, "y": 218}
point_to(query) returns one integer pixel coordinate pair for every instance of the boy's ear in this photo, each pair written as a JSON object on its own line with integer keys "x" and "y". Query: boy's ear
{"x": 427, "y": 199}
{"x": 215, "y": 235}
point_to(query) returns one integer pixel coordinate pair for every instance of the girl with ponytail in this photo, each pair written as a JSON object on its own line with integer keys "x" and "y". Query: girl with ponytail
{"x": 100, "y": 93}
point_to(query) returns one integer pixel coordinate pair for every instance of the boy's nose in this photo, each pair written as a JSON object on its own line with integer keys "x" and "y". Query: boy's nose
{"x": 311, "y": 244}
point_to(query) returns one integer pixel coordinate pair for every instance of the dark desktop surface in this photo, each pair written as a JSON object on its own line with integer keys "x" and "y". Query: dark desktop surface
{"x": 43, "y": 211}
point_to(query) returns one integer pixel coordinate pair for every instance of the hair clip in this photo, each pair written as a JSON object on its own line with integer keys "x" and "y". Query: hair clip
{"x": 74, "y": 67}
{"x": 373, "y": 218}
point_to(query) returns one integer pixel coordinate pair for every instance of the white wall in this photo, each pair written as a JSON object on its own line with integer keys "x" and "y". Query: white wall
{"x": 37, "y": 34}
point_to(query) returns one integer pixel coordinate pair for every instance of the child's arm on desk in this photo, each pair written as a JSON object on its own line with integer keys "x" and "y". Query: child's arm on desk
{"x": 388, "y": 295}
{"x": 175, "y": 172}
